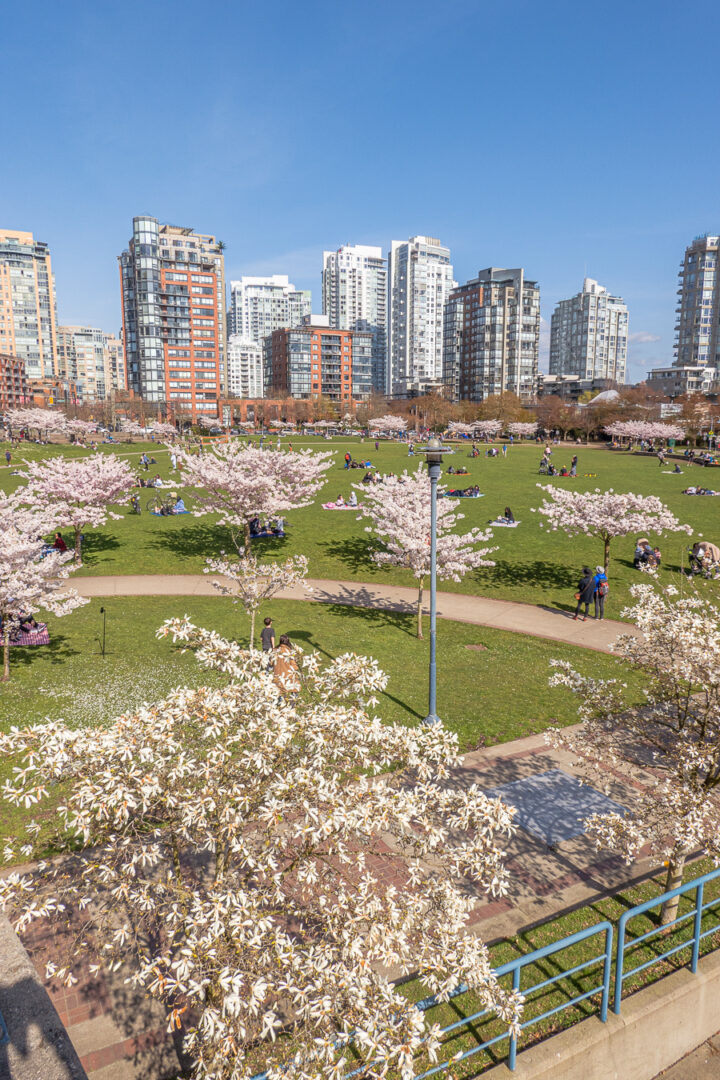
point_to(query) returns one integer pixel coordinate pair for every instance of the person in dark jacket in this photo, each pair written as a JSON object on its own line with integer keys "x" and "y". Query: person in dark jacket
{"x": 585, "y": 592}
{"x": 601, "y": 590}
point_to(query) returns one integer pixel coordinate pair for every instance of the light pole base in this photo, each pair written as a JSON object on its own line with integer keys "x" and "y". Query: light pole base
{"x": 432, "y": 718}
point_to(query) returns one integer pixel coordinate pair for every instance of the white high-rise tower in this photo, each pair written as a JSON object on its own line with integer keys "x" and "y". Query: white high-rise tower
{"x": 589, "y": 335}
{"x": 259, "y": 305}
{"x": 355, "y": 298}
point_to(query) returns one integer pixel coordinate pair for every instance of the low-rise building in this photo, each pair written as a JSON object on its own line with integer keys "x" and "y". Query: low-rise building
{"x": 688, "y": 379}
{"x": 14, "y": 390}
{"x": 315, "y": 360}
{"x": 570, "y": 387}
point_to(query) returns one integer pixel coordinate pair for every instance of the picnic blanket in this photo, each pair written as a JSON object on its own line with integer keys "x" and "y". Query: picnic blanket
{"x": 178, "y": 513}
{"x": 334, "y": 506}
{"x": 501, "y": 523}
{"x": 41, "y": 636}
{"x": 265, "y": 533}
{"x": 451, "y": 495}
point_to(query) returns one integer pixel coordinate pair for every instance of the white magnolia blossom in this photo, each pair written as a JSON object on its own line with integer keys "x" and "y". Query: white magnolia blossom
{"x": 644, "y": 429}
{"x": 668, "y": 744}
{"x": 606, "y": 514}
{"x": 263, "y": 860}
{"x": 252, "y": 583}
{"x": 399, "y": 509}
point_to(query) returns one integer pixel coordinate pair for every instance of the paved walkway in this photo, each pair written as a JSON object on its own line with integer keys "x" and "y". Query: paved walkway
{"x": 545, "y": 622}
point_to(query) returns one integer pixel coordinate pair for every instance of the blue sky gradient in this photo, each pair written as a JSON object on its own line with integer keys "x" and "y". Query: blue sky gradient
{"x": 569, "y": 139}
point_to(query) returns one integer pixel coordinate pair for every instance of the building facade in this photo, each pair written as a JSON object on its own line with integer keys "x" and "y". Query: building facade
{"x": 697, "y": 342}
{"x": 28, "y": 309}
{"x": 589, "y": 335}
{"x": 420, "y": 279}
{"x": 492, "y": 336}
{"x": 91, "y": 359}
{"x": 14, "y": 390}
{"x": 676, "y": 381}
{"x": 355, "y": 296}
{"x": 245, "y": 368}
{"x": 260, "y": 305}
{"x": 173, "y": 296}
{"x": 315, "y": 360}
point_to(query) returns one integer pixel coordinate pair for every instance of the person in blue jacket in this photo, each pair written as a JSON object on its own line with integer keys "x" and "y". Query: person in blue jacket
{"x": 601, "y": 590}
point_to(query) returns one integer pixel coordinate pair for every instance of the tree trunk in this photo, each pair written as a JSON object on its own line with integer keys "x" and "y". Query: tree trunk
{"x": 6, "y": 652}
{"x": 676, "y": 866}
{"x": 77, "y": 545}
{"x": 607, "y": 553}
{"x": 247, "y": 539}
{"x": 252, "y": 629}
{"x": 419, "y": 610}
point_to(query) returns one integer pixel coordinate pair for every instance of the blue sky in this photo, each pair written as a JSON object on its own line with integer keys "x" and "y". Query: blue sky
{"x": 569, "y": 139}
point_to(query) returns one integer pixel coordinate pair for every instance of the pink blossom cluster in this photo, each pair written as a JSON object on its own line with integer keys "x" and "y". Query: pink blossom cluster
{"x": 387, "y": 423}
{"x": 487, "y": 427}
{"x": 644, "y": 429}
{"x": 44, "y": 421}
{"x": 519, "y": 428}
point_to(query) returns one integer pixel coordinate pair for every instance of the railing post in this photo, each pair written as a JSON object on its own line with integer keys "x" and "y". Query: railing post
{"x": 619, "y": 962}
{"x": 697, "y": 927}
{"x": 513, "y": 1038}
{"x": 606, "y": 973}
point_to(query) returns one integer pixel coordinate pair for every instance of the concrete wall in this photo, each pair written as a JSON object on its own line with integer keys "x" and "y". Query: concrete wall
{"x": 657, "y": 1026}
{"x": 39, "y": 1047}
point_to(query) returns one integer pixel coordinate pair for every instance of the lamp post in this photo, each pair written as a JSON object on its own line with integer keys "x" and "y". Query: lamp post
{"x": 433, "y": 452}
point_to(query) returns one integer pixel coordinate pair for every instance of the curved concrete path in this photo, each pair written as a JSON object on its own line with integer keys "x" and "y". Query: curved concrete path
{"x": 545, "y": 622}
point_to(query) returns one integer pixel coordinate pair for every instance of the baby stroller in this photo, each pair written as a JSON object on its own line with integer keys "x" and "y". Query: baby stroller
{"x": 705, "y": 560}
{"x": 545, "y": 467}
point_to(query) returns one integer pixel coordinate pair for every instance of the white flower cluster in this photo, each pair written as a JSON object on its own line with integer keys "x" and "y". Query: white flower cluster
{"x": 264, "y": 861}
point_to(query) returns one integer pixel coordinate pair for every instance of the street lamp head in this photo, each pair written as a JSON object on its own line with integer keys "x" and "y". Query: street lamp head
{"x": 433, "y": 450}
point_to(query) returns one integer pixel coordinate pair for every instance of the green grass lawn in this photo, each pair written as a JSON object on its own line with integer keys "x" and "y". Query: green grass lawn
{"x": 532, "y": 564}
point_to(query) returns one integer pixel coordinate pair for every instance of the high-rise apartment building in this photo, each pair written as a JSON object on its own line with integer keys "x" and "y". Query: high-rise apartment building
{"x": 589, "y": 335}
{"x": 260, "y": 305}
{"x": 245, "y": 368}
{"x": 28, "y": 310}
{"x": 173, "y": 296}
{"x": 91, "y": 359}
{"x": 492, "y": 336}
{"x": 315, "y": 360}
{"x": 697, "y": 342}
{"x": 420, "y": 280}
{"x": 354, "y": 284}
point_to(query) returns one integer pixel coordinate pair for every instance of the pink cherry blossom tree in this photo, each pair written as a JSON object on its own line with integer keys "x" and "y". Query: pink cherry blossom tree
{"x": 606, "y": 514}
{"x": 238, "y": 482}
{"x": 29, "y": 582}
{"x": 456, "y": 427}
{"x": 131, "y": 427}
{"x": 80, "y": 428}
{"x": 162, "y": 430}
{"x": 635, "y": 430}
{"x": 230, "y": 848}
{"x": 523, "y": 429}
{"x": 43, "y": 421}
{"x": 667, "y": 744}
{"x": 388, "y": 424}
{"x": 489, "y": 428}
{"x": 78, "y": 491}
{"x": 251, "y": 583}
{"x": 399, "y": 509}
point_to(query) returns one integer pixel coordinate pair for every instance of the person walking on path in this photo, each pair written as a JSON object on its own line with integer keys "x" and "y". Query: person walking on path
{"x": 601, "y": 590}
{"x": 348, "y": 459}
{"x": 585, "y": 592}
{"x": 8, "y": 456}
{"x": 377, "y": 445}
{"x": 173, "y": 460}
{"x": 267, "y": 638}
{"x": 573, "y": 466}
{"x": 287, "y": 673}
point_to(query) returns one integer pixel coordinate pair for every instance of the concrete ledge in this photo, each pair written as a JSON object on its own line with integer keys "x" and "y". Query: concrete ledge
{"x": 39, "y": 1046}
{"x": 657, "y": 1027}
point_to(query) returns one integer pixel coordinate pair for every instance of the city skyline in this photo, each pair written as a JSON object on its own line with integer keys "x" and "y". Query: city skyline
{"x": 587, "y": 181}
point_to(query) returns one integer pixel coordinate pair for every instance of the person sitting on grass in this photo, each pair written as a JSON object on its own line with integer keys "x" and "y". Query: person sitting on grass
{"x": 339, "y": 501}
{"x": 179, "y": 507}
{"x": 508, "y": 515}
{"x": 353, "y": 499}
{"x": 58, "y": 542}
{"x": 254, "y": 524}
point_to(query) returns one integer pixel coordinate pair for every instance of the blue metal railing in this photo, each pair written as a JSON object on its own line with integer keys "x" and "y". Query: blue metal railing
{"x": 696, "y": 914}
{"x": 4, "y": 1037}
{"x": 515, "y": 968}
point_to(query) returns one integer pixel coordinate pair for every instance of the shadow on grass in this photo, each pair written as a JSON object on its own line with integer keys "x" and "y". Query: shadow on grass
{"x": 355, "y": 552}
{"x": 95, "y": 543}
{"x": 539, "y": 572}
{"x": 206, "y": 540}
{"x": 58, "y": 651}
{"x": 403, "y": 618}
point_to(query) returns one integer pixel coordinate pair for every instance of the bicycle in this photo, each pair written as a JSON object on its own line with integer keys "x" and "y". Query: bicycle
{"x": 160, "y": 504}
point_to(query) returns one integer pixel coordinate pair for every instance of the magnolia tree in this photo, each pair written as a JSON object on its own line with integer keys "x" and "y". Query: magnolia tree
{"x": 29, "y": 582}
{"x": 251, "y": 583}
{"x": 489, "y": 428}
{"x": 78, "y": 491}
{"x": 399, "y": 509}
{"x": 667, "y": 744}
{"x": 387, "y": 423}
{"x": 523, "y": 429}
{"x": 233, "y": 845}
{"x": 606, "y": 514}
{"x": 239, "y": 482}
{"x": 635, "y": 430}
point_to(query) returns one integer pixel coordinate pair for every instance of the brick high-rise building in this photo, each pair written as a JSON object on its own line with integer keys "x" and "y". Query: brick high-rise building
{"x": 173, "y": 295}
{"x": 14, "y": 390}
{"x": 92, "y": 359}
{"x": 28, "y": 310}
{"x": 315, "y": 360}
{"x": 492, "y": 336}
